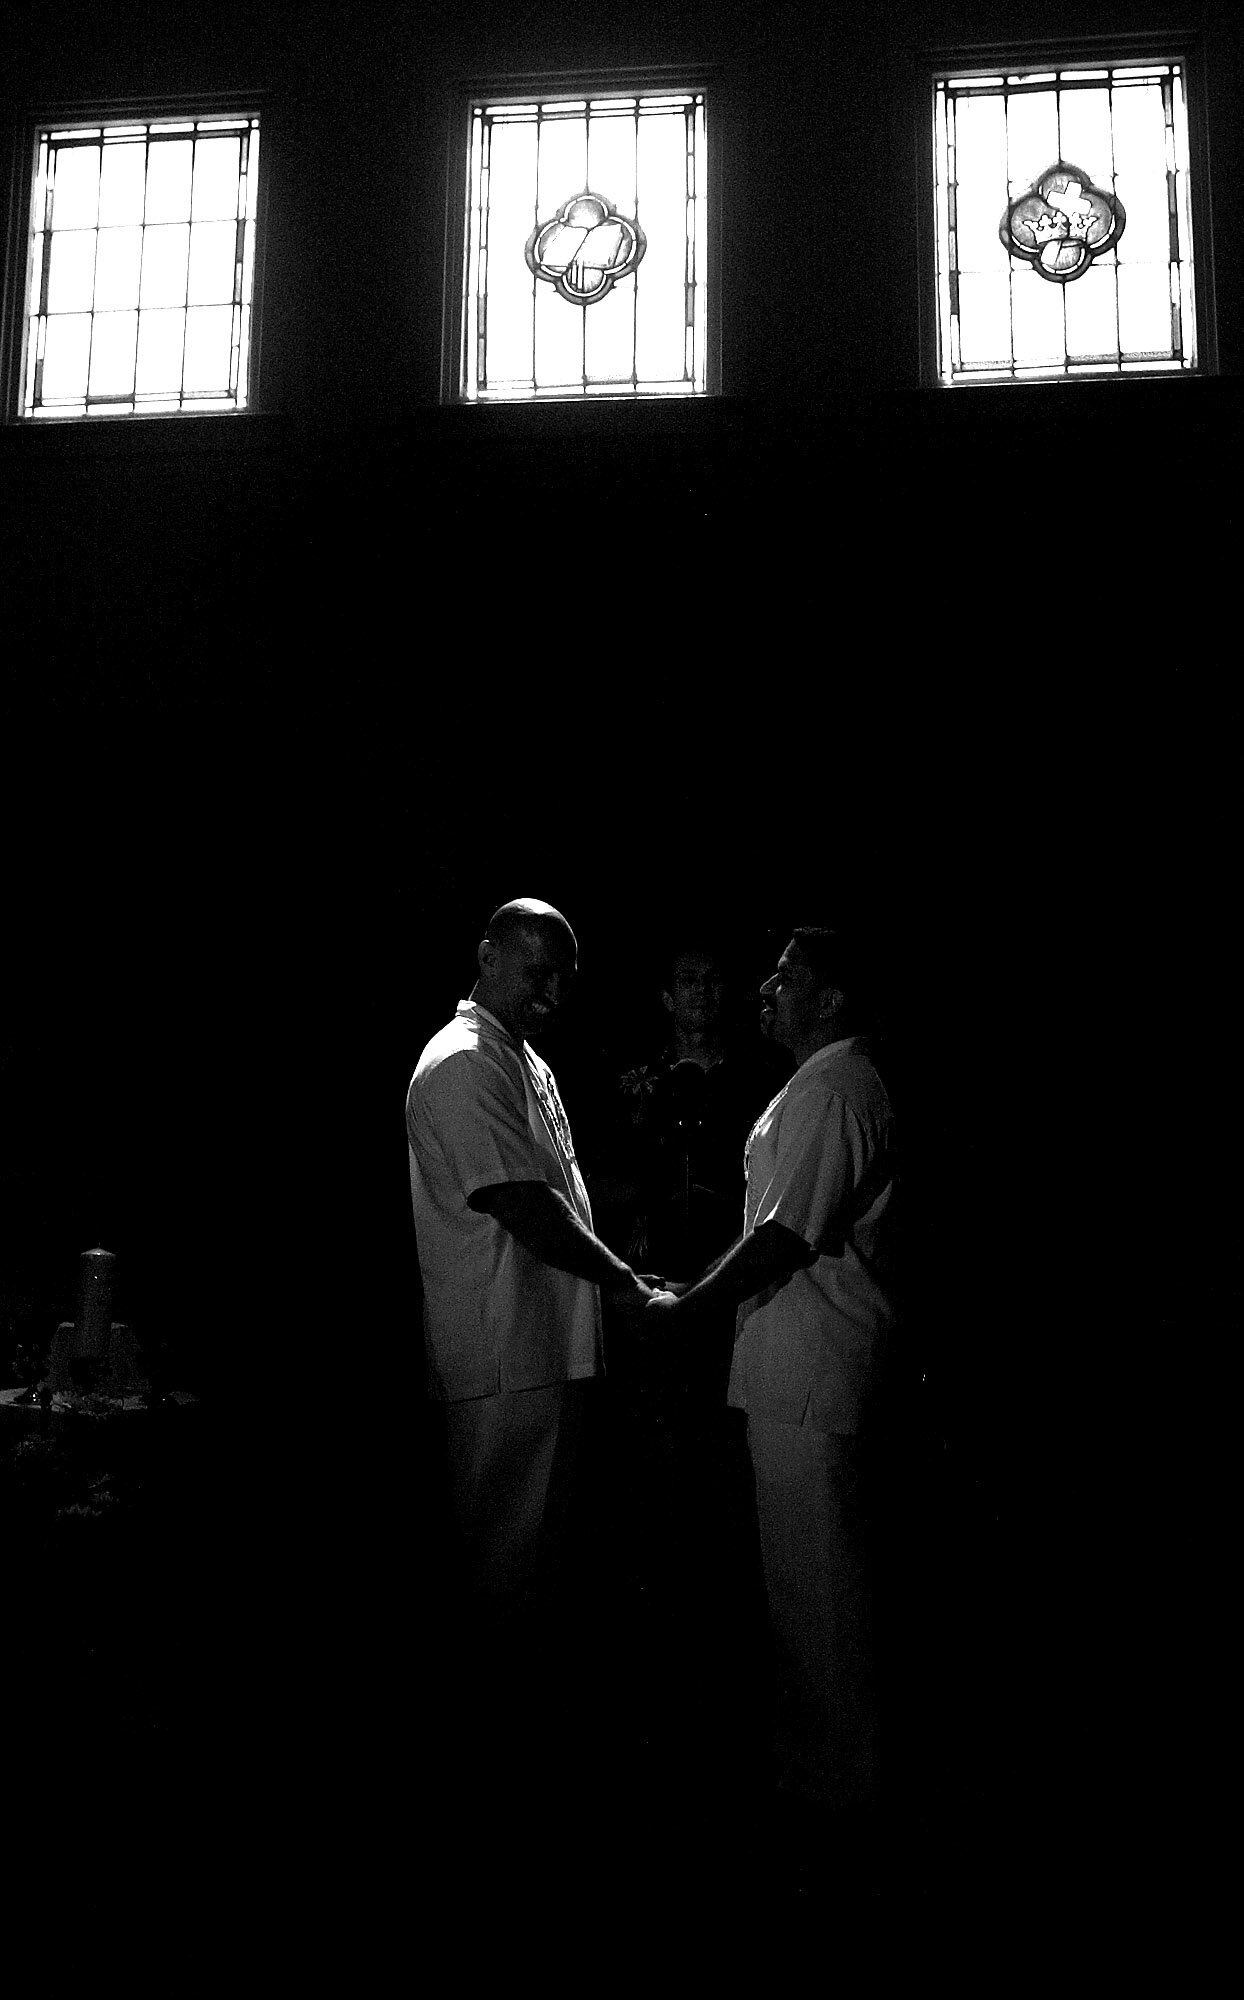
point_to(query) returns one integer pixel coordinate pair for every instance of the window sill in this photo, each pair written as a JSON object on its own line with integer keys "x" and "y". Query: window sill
{"x": 575, "y": 415}
{"x": 1087, "y": 380}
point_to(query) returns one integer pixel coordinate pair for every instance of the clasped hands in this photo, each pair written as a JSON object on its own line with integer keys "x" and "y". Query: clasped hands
{"x": 648, "y": 1301}
{"x": 663, "y": 1293}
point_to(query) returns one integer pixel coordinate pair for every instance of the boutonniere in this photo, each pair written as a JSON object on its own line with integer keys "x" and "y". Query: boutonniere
{"x": 638, "y": 1083}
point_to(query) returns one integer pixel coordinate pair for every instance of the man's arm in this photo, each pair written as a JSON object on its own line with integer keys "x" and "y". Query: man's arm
{"x": 769, "y": 1256}
{"x": 545, "y": 1223}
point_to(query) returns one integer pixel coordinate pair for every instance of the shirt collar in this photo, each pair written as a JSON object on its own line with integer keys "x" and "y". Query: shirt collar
{"x": 471, "y": 1010}
{"x": 822, "y": 1054}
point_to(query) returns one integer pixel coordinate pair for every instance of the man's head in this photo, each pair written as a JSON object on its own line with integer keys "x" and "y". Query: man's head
{"x": 812, "y": 997}
{"x": 694, "y": 992}
{"x": 526, "y": 963}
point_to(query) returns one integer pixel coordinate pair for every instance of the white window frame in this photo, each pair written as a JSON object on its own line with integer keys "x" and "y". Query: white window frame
{"x": 14, "y": 306}
{"x": 1010, "y": 59}
{"x": 474, "y": 92}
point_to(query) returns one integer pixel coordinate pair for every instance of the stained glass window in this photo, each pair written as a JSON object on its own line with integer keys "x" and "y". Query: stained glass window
{"x": 141, "y": 272}
{"x": 586, "y": 231}
{"x": 1089, "y": 171}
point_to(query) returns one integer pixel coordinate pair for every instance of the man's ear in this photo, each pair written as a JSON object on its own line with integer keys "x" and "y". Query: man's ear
{"x": 667, "y": 1001}
{"x": 831, "y": 1002}
{"x": 486, "y": 956}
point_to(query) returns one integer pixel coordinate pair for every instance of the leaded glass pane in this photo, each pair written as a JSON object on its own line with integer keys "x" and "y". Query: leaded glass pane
{"x": 122, "y": 183}
{"x": 166, "y": 249}
{"x": 609, "y": 332}
{"x": 170, "y": 166}
{"x": 507, "y": 286}
{"x": 585, "y": 265}
{"x": 1090, "y": 266}
{"x": 981, "y": 148}
{"x": 213, "y": 258}
{"x": 1036, "y": 325}
{"x": 118, "y": 263}
{"x": 611, "y": 158}
{"x": 661, "y": 200}
{"x": 1144, "y": 309}
{"x": 75, "y": 199}
{"x": 1090, "y": 313}
{"x": 1031, "y": 119}
{"x": 1084, "y": 127}
{"x": 561, "y": 161}
{"x": 214, "y": 195}
{"x": 161, "y": 340}
{"x": 130, "y": 226}
{"x": 558, "y": 341}
{"x": 985, "y": 313}
{"x": 66, "y": 356}
{"x": 112, "y": 354}
{"x": 209, "y": 332}
{"x": 71, "y": 271}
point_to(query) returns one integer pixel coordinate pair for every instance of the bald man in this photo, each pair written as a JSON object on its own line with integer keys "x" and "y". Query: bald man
{"x": 512, "y": 1269}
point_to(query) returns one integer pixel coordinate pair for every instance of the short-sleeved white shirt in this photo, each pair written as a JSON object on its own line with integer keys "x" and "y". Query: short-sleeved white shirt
{"x": 482, "y": 1109}
{"x": 820, "y": 1161}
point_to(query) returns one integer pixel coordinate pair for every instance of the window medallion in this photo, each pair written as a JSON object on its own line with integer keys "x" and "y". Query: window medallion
{"x": 585, "y": 249}
{"x": 1062, "y": 223}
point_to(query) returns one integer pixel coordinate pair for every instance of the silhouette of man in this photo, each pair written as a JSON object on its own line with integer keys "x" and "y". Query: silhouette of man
{"x": 810, "y": 1279}
{"x": 511, "y": 1268}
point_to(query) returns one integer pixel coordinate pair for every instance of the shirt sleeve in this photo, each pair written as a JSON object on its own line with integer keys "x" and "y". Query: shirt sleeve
{"x": 475, "y": 1114}
{"x": 819, "y": 1162}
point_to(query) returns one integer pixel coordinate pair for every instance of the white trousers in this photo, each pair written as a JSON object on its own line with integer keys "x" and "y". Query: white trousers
{"x": 812, "y": 1505}
{"x": 512, "y": 1461}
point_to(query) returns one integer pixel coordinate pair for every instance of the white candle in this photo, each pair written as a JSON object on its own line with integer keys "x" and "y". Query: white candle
{"x": 94, "y": 1322}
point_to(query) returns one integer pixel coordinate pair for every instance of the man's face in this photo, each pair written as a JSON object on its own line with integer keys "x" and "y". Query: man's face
{"x": 529, "y": 978}
{"x": 697, "y": 993}
{"x": 790, "y": 1012}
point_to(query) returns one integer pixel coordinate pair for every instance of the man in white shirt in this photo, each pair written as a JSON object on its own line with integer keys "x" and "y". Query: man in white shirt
{"x": 811, "y": 1279}
{"x": 511, "y": 1268}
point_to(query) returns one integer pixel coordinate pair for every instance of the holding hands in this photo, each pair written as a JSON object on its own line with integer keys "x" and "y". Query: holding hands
{"x": 660, "y": 1306}
{"x": 647, "y": 1301}
{"x": 632, "y": 1300}
{"x": 666, "y": 1288}
{"x": 660, "y": 1314}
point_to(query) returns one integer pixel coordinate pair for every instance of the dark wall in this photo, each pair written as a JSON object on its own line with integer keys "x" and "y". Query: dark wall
{"x": 283, "y": 721}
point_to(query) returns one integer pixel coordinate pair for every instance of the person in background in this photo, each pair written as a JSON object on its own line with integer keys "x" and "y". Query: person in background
{"x": 668, "y": 1171}
{"x": 667, "y": 1184}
